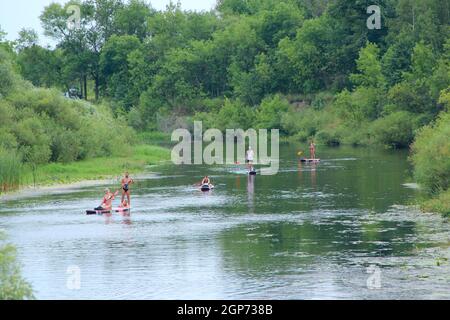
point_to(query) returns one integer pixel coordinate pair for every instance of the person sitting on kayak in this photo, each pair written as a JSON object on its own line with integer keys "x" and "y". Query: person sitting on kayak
{"x": 126, "y": 183}
{"x": 312, "y": 150}
{"x": 107, "y": 200}
{"x": 206, "y": 180}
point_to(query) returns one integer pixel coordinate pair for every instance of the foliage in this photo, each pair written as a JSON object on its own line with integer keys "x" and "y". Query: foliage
{"x": 439, "y": 204}
{"x": 396, "y": 129}
{"x": 12, "y": 285}
{"x": 270, "y": 112}
{"x": 431, "y": 155}
{"x": 39, "y": 126}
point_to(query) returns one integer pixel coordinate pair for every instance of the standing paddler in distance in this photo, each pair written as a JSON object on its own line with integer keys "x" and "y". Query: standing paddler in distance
{"x": 126, "y": 183}
{"x": 312, "y": 150}
{"x": 250, "y": 159}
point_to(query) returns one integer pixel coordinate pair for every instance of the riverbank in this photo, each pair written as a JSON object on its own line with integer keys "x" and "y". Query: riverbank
{"x": 55, "y": 177}
{"x": 440, "y": 204}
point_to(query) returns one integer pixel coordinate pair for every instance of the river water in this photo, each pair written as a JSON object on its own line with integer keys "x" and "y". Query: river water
{"x": 342, "y": 229}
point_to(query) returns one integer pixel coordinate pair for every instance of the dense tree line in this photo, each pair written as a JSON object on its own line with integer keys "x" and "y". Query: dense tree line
{"x": 311, "y": 68}
{"x": 300, "y": 57}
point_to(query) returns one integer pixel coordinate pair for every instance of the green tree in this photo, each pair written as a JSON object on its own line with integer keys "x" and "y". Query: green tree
{"x": 115, "y": 68}
{"x": 86, "y": 42}
{"x": 12, "y": 285}
{"x": 369, "y": 67}
{"x": 270, "y": 112}
{"x": 313, "y": 56}
{"x": 27, "y": 38}
{"x": 132, "y": 19}
{"x": 234, "y": 115}
{"x": 431, "y": 155}
{"x": 43, "y": 67}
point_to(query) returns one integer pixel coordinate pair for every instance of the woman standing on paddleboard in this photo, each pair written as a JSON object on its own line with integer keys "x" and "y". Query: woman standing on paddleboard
{"x": 312, "y": 150}
{"x": 126, "y": 183}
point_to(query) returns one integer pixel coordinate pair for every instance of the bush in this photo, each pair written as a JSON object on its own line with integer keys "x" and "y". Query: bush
{"x": 234, "y": 115}
{"x": 7, "y": 79}
{"x": 308, "y": 123}
{"x": 440, "y": 204}
{"x": 431, "y": 155}
{"x": 395, "y": 130}
{"x": 12, "y": 285}
{"x": 270, "y": 112}
{"x": 329, "y": 137}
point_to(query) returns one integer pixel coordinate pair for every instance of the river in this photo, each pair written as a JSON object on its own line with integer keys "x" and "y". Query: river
{"x": 342, "y": 229}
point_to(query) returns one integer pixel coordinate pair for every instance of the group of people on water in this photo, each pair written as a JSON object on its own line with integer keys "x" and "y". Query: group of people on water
{"x": 249, "y": 159}
{"x": 126, "y": 182}
{"x": 109, "y": 197}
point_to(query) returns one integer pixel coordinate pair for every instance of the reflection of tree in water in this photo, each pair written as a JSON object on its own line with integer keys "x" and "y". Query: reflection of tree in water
{"x": 283, "y": 246}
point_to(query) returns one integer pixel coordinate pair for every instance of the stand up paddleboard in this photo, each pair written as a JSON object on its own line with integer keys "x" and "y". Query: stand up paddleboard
{"x": 206, "y": 187}
{"x": 101, "y": 212}
{"x": 310, "y": 160}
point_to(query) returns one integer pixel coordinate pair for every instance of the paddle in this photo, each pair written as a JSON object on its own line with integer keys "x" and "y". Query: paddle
{"x": 115, "y": 194}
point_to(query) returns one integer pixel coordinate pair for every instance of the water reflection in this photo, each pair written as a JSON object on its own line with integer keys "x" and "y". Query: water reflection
{"x": 251, "y": 193}
{"x": 309, "y": 234}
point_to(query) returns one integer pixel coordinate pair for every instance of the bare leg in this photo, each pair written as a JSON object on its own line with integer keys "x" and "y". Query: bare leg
{"x": 129, "y": 198}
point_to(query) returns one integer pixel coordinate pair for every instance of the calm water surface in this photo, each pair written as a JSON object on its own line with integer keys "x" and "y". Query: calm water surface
{"x": 311, "y": 232}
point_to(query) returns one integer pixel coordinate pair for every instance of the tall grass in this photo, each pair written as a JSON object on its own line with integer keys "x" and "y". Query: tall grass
{"x": 154, "y": 137}
{"x": 11, "y": 170}
{"x": 136, "y": 160}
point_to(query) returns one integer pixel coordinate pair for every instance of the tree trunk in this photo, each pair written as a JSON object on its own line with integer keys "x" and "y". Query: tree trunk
{"x": 85, "y": 87}
{"x": 97, "y": 84}
{"x": 81, "y": 87}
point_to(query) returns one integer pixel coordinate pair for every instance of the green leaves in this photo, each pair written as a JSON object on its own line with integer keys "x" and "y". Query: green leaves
{"x": 269, "y": 114}
{"x": 369, "y": 67}
{"x": 12, "y": 285}
{"x": 431, "y": 155}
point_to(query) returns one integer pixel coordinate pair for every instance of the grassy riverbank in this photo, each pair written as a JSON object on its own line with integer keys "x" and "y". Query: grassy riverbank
{"x": 136, "y": 160}
{"x": 440, "y": 204}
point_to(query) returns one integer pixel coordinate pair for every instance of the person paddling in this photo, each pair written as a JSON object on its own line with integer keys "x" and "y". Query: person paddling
{"x": 206, "y": 180}
{"x": 126, "y": 183}
{"x": 312, "y": 150}
{"x": 107, "y": 201}
{"x": 250, "y": 158}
